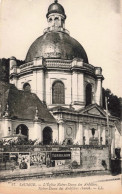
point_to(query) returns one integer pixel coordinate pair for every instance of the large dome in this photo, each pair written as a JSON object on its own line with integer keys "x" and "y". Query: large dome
{"x": 56, "y": 45}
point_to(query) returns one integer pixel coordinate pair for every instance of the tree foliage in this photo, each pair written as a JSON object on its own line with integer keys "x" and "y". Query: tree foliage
{"x": 4, "y": 68}
{"x": 113, "y": 102}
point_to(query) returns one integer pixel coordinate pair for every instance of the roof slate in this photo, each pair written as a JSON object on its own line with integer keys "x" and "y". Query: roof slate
{"x": 21, "y": 104}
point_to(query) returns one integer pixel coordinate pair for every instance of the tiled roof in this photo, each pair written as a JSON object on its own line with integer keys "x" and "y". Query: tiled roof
{"x": 21, "y": 104}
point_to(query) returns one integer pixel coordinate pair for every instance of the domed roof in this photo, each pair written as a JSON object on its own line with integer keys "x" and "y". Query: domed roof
{"x": 56, "y": 45}
{"x": 56, "y": 8}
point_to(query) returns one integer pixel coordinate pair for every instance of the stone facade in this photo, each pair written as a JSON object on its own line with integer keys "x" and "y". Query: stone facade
{"x": 57, "y": 70}
{"x": 40, "y": 74}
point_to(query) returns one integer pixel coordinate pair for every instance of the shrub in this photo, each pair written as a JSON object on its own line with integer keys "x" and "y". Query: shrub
{"x": 74, "y": 165}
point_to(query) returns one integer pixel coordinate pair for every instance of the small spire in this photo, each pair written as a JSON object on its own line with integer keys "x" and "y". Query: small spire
{"x": 6, "y": 111}
{"x": 56, "y": 1}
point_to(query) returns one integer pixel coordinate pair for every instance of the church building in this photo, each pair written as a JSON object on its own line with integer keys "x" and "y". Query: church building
{"x": 56, "y": 95}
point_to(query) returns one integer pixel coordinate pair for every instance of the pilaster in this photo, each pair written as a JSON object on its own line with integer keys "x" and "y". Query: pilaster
{"x": 37, "y": 131}
{"x": 99, "y": 134}
{"x": 77, "y": 84}
{"x": 98, "y": 94}
{"x": 98, "y": 91}
{"x": 80, "y": 134}
{"x": 61, "y": 131}
{"x": 39, "y": 78}
{"x": 103, "y": 135}
{"x": 7, "y": 127}
{"x": 86, "y": 134}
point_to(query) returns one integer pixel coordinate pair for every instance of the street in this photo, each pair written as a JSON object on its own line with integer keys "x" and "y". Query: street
{"x": 89, "y": 184}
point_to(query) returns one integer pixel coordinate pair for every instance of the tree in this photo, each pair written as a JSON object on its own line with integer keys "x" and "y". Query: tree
{"x": 4, "y": 68}
{"x": 113, "y": 103}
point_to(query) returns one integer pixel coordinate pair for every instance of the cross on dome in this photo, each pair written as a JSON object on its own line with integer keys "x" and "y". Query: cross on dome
{"x": 56, "y": 1}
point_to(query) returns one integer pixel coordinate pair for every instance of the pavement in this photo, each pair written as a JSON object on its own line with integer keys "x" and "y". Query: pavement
{"x": 57, "y": 180}
{"x": 47, "y": 172}
{"x": 96, "y": 183}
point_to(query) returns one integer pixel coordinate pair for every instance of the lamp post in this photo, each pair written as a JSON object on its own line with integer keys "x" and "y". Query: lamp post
{"x": 108, "y": 129}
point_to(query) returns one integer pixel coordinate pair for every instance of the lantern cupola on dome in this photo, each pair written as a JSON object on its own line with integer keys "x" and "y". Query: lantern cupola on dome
{"x": 56, "y": 15}
{"x": 56, "y": 8}
{"x": 56, "y": 41}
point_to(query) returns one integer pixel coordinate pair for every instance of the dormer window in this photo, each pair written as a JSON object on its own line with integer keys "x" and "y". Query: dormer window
{"x": 27, "y": 87}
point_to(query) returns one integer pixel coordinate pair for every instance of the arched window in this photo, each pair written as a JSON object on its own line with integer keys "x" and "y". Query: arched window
{"x": 62, "y": 22}
{"x": 22, "y": 130}
{"x": 58, "y": 93}
{"x": 88, "y": 94}
{"x": 50, "y": 20}
{"x": 27, "y": 87}
{"x": 56, "y": 20}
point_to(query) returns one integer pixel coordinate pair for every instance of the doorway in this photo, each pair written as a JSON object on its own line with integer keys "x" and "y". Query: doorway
{"x": 47, "y": 136}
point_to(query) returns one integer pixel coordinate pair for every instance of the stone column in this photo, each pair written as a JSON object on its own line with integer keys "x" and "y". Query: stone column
{"x": 61, "y": 131}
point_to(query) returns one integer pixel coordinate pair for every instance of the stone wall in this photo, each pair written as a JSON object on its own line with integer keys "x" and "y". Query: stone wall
{"x": 88, "y": 158}
{"x": 95, "y": 159}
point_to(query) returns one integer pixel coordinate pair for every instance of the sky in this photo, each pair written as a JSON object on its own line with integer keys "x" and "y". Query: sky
{"x": 96, "y": 24}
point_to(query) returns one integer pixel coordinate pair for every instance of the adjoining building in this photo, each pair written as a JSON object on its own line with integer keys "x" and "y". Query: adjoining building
{"x": 23, "y": 112}
{"x": 56, "y": 95}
